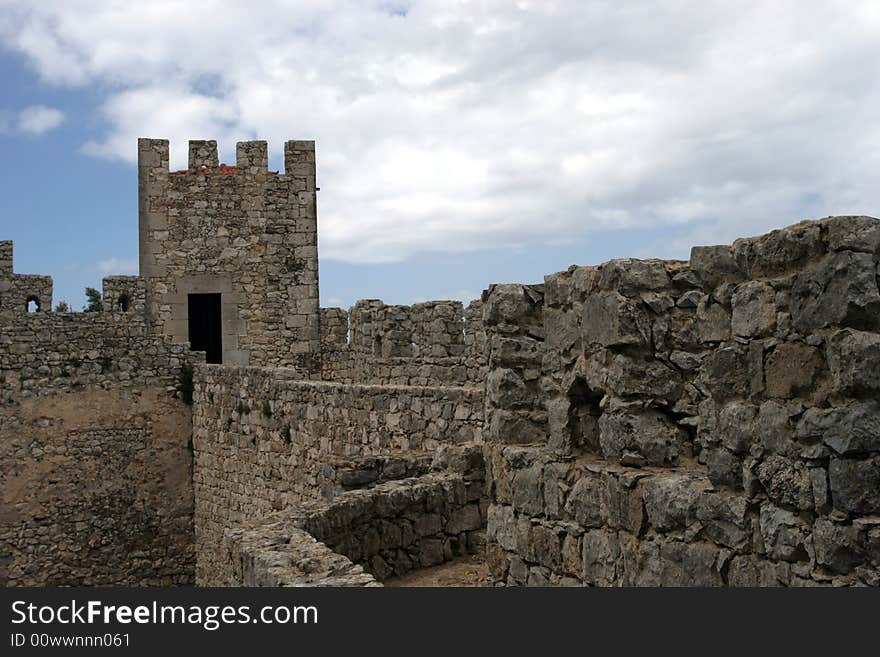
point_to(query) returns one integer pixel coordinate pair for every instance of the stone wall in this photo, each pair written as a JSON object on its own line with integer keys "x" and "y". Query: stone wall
{"x": 95, "y": 466}
{"x": 711, "y": 422}
{"x": 367, "y": 535}
{"x": 19, "y": 291}
{"x": 430, "y": 343}
{"x": 266, "y": 441}
{"x": 244, "y": 232}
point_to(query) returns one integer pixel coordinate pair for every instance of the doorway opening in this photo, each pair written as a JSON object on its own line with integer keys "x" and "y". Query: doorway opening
{"x": 204, "y": 326}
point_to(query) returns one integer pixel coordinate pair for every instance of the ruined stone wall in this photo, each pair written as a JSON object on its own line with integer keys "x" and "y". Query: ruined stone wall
{"x": 266, "y": 440}
{"x": 95, "y": 467}
{"x": 362, "y": 536}
{"x": 426, "y": 344}
{"x": 711, "y": 422}
{"x": 17, "y": 290}
{"x": 244, "y": 232}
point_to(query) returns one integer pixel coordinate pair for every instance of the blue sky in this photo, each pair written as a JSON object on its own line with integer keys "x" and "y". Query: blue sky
{"x": 457, "y": 145}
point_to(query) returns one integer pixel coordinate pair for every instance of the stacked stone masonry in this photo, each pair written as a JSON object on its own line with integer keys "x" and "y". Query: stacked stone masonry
{"x": 96, "y": 469}
{"x": 365, "y": 535}
{"x": 712, "y": 422}
{"x": 430, "y": 343}
{"x": 266, "y": 441}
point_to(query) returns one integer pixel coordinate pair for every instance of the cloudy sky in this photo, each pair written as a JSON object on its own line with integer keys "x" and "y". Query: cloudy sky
{"x": 459, "y": 143}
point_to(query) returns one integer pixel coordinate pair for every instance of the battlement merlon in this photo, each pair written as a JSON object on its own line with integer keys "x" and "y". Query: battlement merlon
{"x": 252, "y": 157}
{"x": 6, "y": 257}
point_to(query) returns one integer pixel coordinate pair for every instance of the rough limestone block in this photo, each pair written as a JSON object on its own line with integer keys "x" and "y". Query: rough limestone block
{"x": 500, "y": 526}
{"x": 725, "y": 373}
{"x": 610, "y": 319}
{"x": 647, "y": 433}
{"x": 751, "y": 571}
{"x": 852, "y": 429}
{"x": 784, "y": 534}
{"x": 725, "y": 519}
{"x": 791, "y": 369}
{"x": 754, "y": 310}
{"x": 671, "y": 500}
{"x": 734, "y": 426}
{"x": 636, "y": 377}
{"x": 512, "y": 428}
{"x": 837, "y": 546}
{"x": 528, "y": 497}
{"x": 786, "y": 482}
{"x": 854, "y": 359}
{"x": 505, "y": 388}
{"x": 602, "y": 565}
{"x": 841, "y": 291}
{"x": 511, "y": 304}
{"x": 780, "y": 250}
{"x": 584, "y": 503}
{"x": 724, "y": 467}
{"x": 673, "y": 563}
{"x": 630, "y": 276}
{"x": 853, "y": 234}
{"x": 712, "y": 321}
{"x": 855, "y": 484}
{"x": 714, "y": 265}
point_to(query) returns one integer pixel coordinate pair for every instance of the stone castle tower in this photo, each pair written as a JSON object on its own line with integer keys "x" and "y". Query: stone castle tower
{"x": 229, "y": 254}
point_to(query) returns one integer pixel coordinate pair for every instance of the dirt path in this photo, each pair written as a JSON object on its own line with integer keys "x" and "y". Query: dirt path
{"x": 468, "y": 571}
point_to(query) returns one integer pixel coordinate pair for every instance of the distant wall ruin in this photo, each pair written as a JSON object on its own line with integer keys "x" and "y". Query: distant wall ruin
{"x": 95, "y": 465}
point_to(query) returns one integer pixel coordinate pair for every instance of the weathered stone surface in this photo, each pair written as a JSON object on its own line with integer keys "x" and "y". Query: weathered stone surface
{"x": 841, "y": 291}
{"x": 671, "y": 500}
{"x": 508, "y": 304}
{"x": 786, "y": 482}
{"x": 791, "y": 369}
{"x": 610, "y": 319}
{"x": 585, "y": 502}
{"x": 855, "y": 484}
{"x": 506, "y": 389}
{"x": 734, "y": 426}
{"x": 674, "y": 563}
{"x": 714, "y": 265}
{"x": 647, "y": 433}
{"x": 852, "y": 429}
{"x": 854, "y": 359}
{"x": 725, "y": 519}
{"x": 780, "y": 250}
{"x": 751, "y": 571}
{"x": 853, "y": 234}
{"x": 724, "y": 467}
{"x": 725, "y": 373}
{"x": 629, "y": 276}
{"x": 754, "y": 310}
{"x": 785, "y": 534}
{"x": 773, "y": 425}
{"x": 528, "y": 495}
{"x": 601, "y": 558}
{"x": 713, "y": 321}
{"x": 837, "y": 546}
{"x": 631, "y": 377}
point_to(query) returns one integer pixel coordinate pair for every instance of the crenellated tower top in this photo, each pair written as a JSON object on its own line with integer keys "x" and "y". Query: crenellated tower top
{"x": 242, "y": 233}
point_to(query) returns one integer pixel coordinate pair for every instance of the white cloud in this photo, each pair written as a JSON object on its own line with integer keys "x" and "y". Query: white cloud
{"x": 451, "y": 127}
{"x": 117, "y": 266}
{"x": 39, "y": 119}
